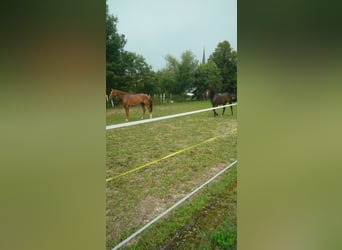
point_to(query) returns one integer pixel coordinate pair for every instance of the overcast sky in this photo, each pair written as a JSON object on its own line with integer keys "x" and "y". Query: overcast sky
{"x": 155, "y": 28}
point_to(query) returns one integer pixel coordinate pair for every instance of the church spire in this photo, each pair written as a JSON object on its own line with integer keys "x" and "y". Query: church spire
{"x": 203, "y": 58}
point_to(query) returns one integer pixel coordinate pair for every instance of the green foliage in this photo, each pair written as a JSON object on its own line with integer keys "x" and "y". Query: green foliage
{"x": 125, "y": 70}
{"x": 225, "y": 59}
{"x": 223, "y": 239}
{"x": 114, "y": 49}
{"x": 207, "y": 76}
{"x": 184, "y": 72}
{"x": 137, "y": 75}
{"x": 164, "y": 81}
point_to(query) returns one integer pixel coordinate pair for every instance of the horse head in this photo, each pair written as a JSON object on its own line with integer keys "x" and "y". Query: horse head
{"x": 112, "y": 94}
{"x": 209, "y": 93}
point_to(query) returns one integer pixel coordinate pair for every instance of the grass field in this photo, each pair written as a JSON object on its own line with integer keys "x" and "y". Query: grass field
{"x": 206, "y": 221}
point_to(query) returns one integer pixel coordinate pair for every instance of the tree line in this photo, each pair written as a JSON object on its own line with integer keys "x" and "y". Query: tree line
{"x": 130, "y": 72}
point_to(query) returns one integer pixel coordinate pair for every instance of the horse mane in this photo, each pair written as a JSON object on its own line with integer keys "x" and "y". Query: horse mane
{"x": 120, "y": 91}
{"x": 212, "y": 93}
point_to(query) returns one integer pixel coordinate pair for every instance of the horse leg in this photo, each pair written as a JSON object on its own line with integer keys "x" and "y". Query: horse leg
{"x": 224, "y": 109}
{"x": 231, "y": 107}
{"x": 150, "y": 107}
{"x": 214, "y": 110}
{"x": 143, "y": 110}
{"x": 127, "y": 112}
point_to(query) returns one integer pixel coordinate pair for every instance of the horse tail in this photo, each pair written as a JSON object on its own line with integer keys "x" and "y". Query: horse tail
{"x": 151, "y": 105}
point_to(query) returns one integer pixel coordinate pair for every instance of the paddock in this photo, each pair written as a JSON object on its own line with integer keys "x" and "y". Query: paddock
{"x": 151, "y": 166}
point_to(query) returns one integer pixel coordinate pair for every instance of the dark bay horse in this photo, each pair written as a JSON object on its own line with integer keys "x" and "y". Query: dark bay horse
{"x": 220, "y": 99}
{"x": 129, "y": 100}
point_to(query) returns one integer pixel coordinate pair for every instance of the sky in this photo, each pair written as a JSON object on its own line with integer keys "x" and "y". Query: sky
{"x": 156, "y": 28}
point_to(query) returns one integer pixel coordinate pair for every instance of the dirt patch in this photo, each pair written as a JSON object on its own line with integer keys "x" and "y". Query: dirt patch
{"x": 149, "y": 208}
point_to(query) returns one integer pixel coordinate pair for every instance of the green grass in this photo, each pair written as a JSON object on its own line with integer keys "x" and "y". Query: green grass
{"x": 223, "y": 239}
{"x": 136, "y": 198}
{"x": 207, "y": 221}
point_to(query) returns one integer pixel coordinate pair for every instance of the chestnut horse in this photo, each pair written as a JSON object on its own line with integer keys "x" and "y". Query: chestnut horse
{"x": 220, "y": 99}
{"x": 129, "y": 100}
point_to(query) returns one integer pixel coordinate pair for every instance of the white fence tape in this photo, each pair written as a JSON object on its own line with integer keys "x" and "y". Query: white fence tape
{"x": 127, "y": 124}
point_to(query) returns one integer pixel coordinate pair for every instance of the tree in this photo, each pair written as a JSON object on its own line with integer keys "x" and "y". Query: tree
{"x": 114, "y": 49}
{"x": 207, "y": 76}
{"x": 187, "y": 70}
{"x": 165, "y": 80}
{"x": 183, "y": 71}
{"x": 226, "y": 60}
{"x": 137, "y": 73}
{"x": 125, "y": 70}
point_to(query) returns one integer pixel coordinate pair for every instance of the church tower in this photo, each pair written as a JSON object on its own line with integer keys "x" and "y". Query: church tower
{"x": 203, "y": 58}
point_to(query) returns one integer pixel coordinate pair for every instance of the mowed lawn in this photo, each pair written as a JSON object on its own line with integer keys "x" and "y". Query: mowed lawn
{"x": 139, "y": 196}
